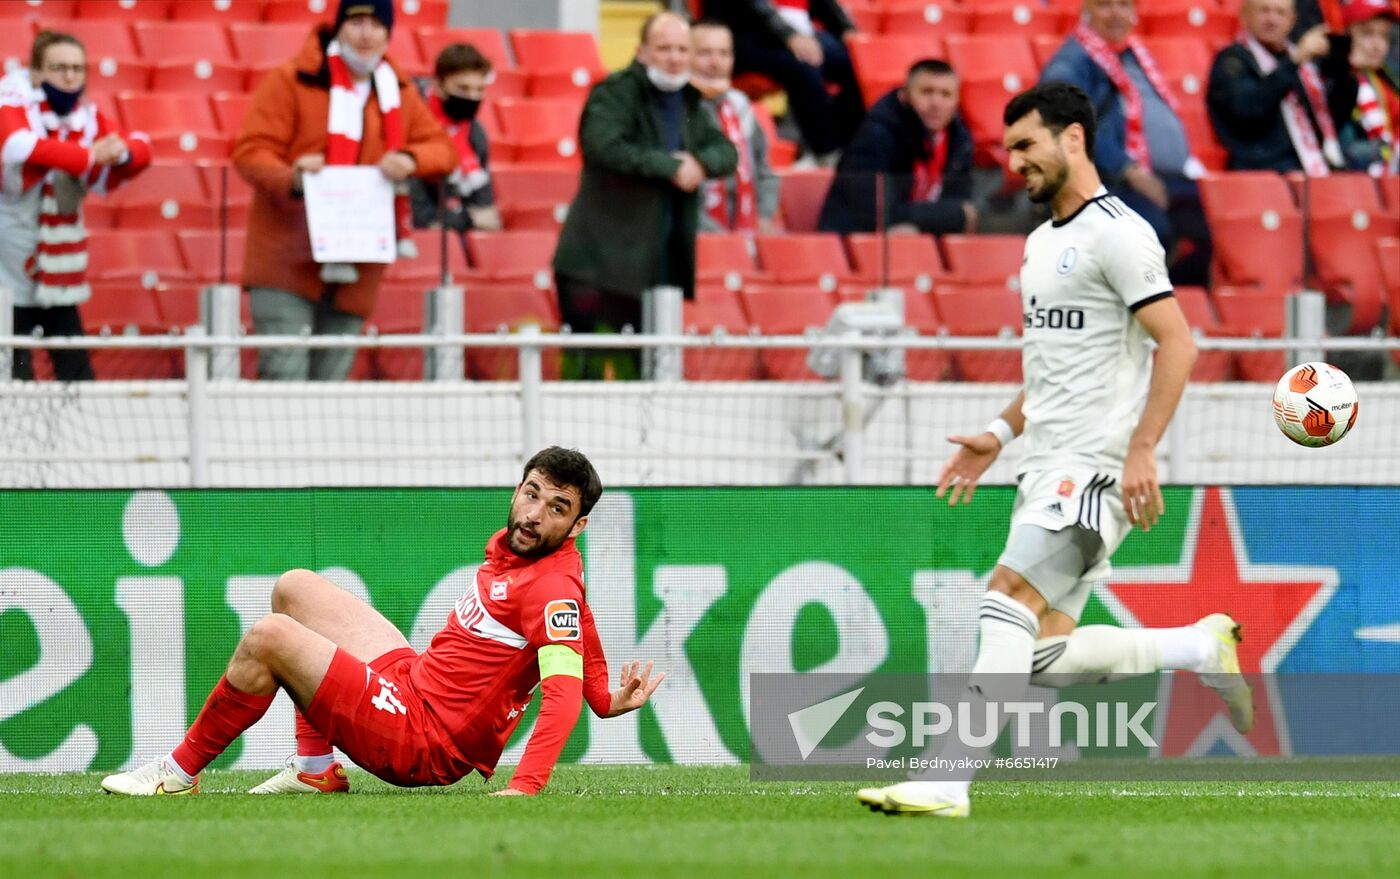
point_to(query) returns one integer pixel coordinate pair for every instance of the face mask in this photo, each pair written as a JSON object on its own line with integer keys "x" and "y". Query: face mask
{"x": 360, "y": 65}
{"x": 61, "y": 101}
{"x": 460, "y": 109}
{"x": 667, "y": 82}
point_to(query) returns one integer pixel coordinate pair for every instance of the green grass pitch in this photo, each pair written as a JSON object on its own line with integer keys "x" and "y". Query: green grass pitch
{"x": 697, "y": 821}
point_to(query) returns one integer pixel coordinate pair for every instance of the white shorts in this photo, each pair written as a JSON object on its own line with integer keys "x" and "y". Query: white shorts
{"x": 1065, "y": 527}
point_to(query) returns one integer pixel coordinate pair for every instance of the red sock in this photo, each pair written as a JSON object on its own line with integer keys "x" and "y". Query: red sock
{"x": 226, "y": 714}
{"x": 310, "y": 743}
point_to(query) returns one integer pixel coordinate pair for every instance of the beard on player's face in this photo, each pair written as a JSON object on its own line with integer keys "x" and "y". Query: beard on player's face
{"x": 1045, "y": 179}
{"x": 532, "y": 539}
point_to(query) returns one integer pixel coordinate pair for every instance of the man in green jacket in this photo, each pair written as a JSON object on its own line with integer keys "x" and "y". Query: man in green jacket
{"x": 647, "y": 148}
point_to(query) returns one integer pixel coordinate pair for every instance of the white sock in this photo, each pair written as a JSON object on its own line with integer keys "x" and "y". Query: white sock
{"x": 1186, "y": 648}
{"x": 315, "y": 764}
{"x": 1095, "y": 654}
{"x": 169, "y": 760}
{"x": 1003, "y": 668}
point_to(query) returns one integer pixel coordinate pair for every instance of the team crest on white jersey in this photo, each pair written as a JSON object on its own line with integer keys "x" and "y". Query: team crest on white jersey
{"x": 1068, "y": 257}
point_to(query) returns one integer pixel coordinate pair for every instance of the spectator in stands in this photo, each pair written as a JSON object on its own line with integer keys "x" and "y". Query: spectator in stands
{"x": 1369, "y": 128}
{"x": 460, "y": 76}
{"x": 337, "y": 102}
{"x": 1141, "y": 150}
{"x": 1268, "y": 101}
{"x": 914, "y": 145}
{"x": 747, "y": 200}
{"x": 648, "y": 147}
{"x": 780, "y": 39}
{"x": 55, "y": 148}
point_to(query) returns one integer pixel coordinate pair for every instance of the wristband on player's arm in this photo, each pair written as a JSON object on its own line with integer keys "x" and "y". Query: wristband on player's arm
{"x": 1002, "y": 430}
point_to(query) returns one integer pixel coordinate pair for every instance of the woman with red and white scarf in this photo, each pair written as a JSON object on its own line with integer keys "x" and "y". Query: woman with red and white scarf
{"x": 338, "y": 102}
{"x": 54, "y": 149}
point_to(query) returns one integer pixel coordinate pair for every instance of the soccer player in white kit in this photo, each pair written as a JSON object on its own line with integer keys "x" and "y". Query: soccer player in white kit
{"x": 1094, "y": 404}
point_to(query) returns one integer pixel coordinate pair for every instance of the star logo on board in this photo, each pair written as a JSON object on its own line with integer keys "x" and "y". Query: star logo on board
{"x": 1274, "y": 605}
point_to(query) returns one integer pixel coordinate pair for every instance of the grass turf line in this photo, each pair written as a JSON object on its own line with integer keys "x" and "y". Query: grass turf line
{"x": 686, "y": 821}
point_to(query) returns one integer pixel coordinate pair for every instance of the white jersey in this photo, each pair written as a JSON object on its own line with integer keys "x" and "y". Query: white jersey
{"x": 1087, "y": 363}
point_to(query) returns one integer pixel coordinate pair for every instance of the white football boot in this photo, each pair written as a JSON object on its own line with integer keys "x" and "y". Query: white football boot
{"x": 930, "y": 798}
{"x": 293, "y": 781}
{"x": 153, "y": 779}
{"x": 1224, "y": 675}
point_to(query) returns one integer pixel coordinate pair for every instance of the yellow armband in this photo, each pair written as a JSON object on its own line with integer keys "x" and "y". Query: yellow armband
{"x": 556, "y": 659}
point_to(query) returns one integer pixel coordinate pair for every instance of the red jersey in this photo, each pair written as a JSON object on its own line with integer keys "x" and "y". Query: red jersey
{"x": 479, "y": 672}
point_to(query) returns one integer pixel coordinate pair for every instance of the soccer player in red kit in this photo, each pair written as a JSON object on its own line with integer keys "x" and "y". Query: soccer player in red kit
{"x": 426, "y": 719}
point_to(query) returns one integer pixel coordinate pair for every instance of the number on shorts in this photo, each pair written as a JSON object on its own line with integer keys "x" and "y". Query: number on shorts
{"x": 388, "y": 699}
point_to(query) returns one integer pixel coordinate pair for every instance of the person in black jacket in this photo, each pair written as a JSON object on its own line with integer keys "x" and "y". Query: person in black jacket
{"x": 779, "y": 39}
{"x": 914, "y": 145}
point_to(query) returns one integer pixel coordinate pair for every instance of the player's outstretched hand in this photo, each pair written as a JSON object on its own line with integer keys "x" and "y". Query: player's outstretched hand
{"x": 961, "y": 472}
{"x": 508, "y": 792}
{"x": 637, "y": 687}
{"x": 1142, "y": 496}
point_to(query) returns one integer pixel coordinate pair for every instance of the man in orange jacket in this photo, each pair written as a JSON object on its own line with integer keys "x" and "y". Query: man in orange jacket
{"x": 339, "y": 101}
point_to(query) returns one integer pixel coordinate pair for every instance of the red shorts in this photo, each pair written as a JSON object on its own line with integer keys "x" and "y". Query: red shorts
{"x": 372, "y": 713}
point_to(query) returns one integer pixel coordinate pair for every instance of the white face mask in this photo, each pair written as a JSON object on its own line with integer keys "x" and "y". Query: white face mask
{"x": 667, "y": 82}
{"x": 359, "y": 65}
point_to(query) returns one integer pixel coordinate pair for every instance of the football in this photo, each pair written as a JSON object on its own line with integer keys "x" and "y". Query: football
{"x": 1315, "y": 404}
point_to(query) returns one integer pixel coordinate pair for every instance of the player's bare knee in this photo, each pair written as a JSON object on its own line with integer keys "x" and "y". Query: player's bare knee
{"x": 1010, "y": 583}
{"x": 289, "y": 587}
{"x": 269, "y": 637}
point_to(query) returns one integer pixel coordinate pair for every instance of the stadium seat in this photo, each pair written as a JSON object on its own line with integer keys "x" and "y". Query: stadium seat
{"x": 15, "y": 43}
{"x": 128, "y": 10}
{"x": 112, "y": 76}
{"x": 491, "y": 307}
{"x": 1044, "y": 47}
{"x": 217, "y": 11}
{"x": 397, "y": 310}
{"x": 261, "y": 47}
{"x": 813, "y": 260}
{"x": 867, "y": 19}
{"x": 167, "y": 196}
{"x": 726, "y": 260}
{"x": 488, "y": 40}
{"x": 781, "y": 153}
{"x": 1390, "y": 194}
{"x": 918, "y": 18}
{"x": 209, "y": 257}
{"x": 425, "y": 269}
{"x": 188, "y": 56}
{"x": 1025, "y": 18}
{"x": 560, "y": 63}
{"x": 540, "y": 131}
{"x": 126, "y": 309}
{"x": 150, "y": 257}
{"x": 989, "y": 310}
{"x": 913, "y": 260}
{"x": 179, "y": 127}
{"x": 102, "y": 38}
{"x": 1202, "y": 19}
{"x": 306, "y": 12}
{"x": 717, "y": 308}
{"x": 229, "y": 110}
{"x": 1200, "y": 134}
{"x": 800, "y": 197}
{"x": 921, "y": 316}
{"x": 406, "y": 54}
{"x": 1245, "y": 312}
{"x": 882, "y": 62}
{"x": 994, "y": 68}
{"x": 533, "y": 196}
{"x": 1388, "y": 258}
{"x": 1211, "y": 366}
{"x": 413, "y": 14}
{"x": 1184, "y": 61}
{"x": 788, "y": 311}
{"x": 1256, "y": 229}
{"x": 511, "y": 256}
{"x": 49, "y": 9}
{"x": 199, "y": 77}
{"x": 224, "y": 184}
{"x": 1345, "y": 220}
{"x": 985, "y": 259}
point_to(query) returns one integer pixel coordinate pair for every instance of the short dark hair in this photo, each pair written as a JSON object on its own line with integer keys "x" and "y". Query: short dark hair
{"x": 568, "y": 467}
{"x": 931, "y": 66}
{"x": 47, "y": 39}
{"x": 711, "y": 23}
{"x": 459, "y": 57}
{"x": 1060, "y": 105}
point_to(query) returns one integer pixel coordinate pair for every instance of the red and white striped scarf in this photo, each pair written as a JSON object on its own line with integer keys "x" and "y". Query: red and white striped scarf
{"x": 1108, "y": 60}
{"x": 345, "y": 127}
{"x": 745, "y": 218}
{"x": 470, "y": 175}
{"x": 1318, "y": 160}
{"x": 1378, "y": 112}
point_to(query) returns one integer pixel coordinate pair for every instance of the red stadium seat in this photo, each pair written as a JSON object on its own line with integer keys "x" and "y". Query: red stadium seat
{"x": 989, "y": 310}
{"x": 1184, "y": 61}
{"x": 1256, "y": 229}
{"x": 111, "y": 76}
{"x": 809, "y": 260}
{"x": 541, "y": 131}
{"x": 491, "y": 307}
{"x": 1044, "y": 47}
{"x": 787, "y": 311}
{"x": 560, "y": 63}
{"x": 800, "y": 197}
{"x": 165, "y": 196}
{"x": 48, "y": 9}
{"x": 725, "y": 260}
{"x": 1245, "y": 312}
{"x": 425, "y": 269}
{"x": 264, "y": 46}
{"x": 512, "y": 256}
{"x": 533, "y": 196}
{"x": 217, "y": 11}
{"x": 124, "y": 10}
{"x": 1390, "y": 194}
{"x": 199, "y": 77}
{"x": 781, "y": 153}
{"x": 985, "y": 259}
{"x": 1211, "y": 366}
{"x": 717, "y": 308}
{"x": 1200, "y": 134}
{"x": 149, "y": 257}
{"x": 1345, "y": 222}
{"x": 225, "y": 186}
{"x": 210, "y": 257}
{"x": 913, "y": 260}
{"x": 1020, "y": 18}
{"x": 1189, "y": 18}
{"x": 993, "y": 68}
{"x": 922, "y": 18}
{"x": 178, "y": 42}
{"x": 882, "y": 62}
{"x": 867, "y": 19}
{"x": 1388, "y": 259}
{"x": 229, "y": 110}
{"x": 487, "y": 40}
{"x": 102, "y": 38}
{"x": 405, "y": 53}
{"x": 15, "y": 43}
{"x": 300, "y": 11}
{"x": 413, "y": 14}
{"x": 125, "y": 309}
{"x": 179, "y": 127}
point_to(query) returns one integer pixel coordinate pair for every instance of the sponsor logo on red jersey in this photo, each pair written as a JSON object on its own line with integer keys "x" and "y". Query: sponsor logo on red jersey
{"x": 561, "y": 622}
